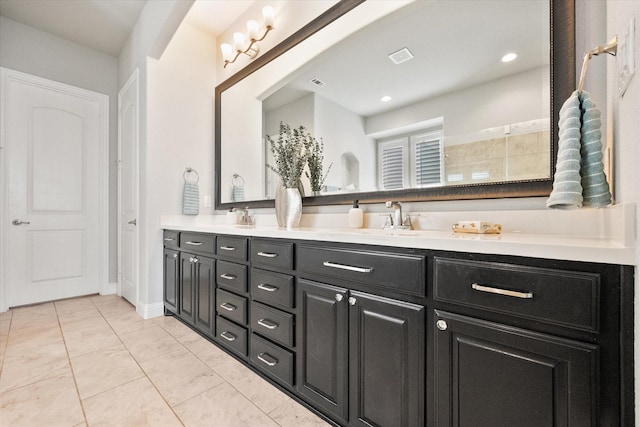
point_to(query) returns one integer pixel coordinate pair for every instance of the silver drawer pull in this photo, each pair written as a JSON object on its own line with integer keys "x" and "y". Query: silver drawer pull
{"x": 499, "y": 291}
{"x": 194, "y": 243}
{"x": 264, "y": 358}
{"x": 227, "y": 248}
{"x": 228, "y": 336}
{"x": 168, "y": 239}
{"x": 268, "y": 288}
{"x": 267, "y": 324}
{"x": 227, "y": 306}
{"x": 267, "y": 254}
{"x": 227, "y": 276}
{"x": 348, "y": 267}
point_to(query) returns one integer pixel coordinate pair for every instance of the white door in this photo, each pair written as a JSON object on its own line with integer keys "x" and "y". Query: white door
{"x": 128, "y": 190}
{"x": 55, "y": 178}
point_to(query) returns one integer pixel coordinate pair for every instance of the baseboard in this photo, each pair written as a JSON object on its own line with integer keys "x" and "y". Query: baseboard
{"x": 109, "y": 289}
{"x": 148, "y": 311}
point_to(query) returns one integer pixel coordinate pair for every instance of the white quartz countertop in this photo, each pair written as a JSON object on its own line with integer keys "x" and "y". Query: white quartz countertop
{"x": 550, "y": 246}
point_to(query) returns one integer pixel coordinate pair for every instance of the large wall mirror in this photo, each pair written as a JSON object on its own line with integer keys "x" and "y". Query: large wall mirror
{"x": 411, "y": 99}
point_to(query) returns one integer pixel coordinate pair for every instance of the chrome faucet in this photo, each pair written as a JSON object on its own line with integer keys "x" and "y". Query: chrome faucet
{"x": 397, "y": 220}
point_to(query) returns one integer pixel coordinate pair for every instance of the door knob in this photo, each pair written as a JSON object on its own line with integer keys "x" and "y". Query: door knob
{"x": 18, "y": 222}
{"x": 352, "y": 301}
{"x": 339, "y": 297}
{"x": 442, "y": 325}
{"x": 132, "y": 222}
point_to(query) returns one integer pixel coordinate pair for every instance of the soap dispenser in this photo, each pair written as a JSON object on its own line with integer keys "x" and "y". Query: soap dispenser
{"x": 356, "y": 216}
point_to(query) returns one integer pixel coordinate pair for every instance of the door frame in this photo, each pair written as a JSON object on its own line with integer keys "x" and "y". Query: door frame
{"x": 7, "y": 75}
{"x": 133, "y": 79}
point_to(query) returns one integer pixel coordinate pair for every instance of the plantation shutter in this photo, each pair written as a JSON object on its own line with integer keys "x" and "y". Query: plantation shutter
{"x": 392, "y": 167}
{"x": 428, "y": 164}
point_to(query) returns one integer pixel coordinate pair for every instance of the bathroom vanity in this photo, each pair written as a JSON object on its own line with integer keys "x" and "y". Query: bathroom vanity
{"x": 372, "y": 329}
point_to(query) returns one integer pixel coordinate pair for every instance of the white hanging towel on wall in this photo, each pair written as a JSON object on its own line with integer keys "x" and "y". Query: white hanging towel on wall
{"x": 191, "y": 193}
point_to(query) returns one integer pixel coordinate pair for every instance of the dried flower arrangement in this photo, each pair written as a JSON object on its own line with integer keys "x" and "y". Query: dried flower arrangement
{"x": 290, "y": 154}
{"x": 315, "y": 159}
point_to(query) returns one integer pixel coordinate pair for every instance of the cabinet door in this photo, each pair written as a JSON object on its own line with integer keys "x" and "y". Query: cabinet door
{"x": 171, "y": 279}
{"x": 204, "y": 286}
{"x": 322, "y": 346}
{"x": 186, "y": 296}
{"x": 386, "y": 362}
{"x": 488, "y": 374}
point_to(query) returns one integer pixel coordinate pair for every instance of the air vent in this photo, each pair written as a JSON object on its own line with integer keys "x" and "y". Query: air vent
{"x": 401, "y": 56}
{"x": 316, "y": 81}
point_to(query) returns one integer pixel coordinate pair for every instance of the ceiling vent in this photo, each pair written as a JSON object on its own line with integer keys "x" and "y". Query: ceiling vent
{"x": 401, "y": 56}
{"x": 316, "y": 81}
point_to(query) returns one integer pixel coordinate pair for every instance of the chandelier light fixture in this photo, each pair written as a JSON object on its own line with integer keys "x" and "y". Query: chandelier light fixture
{"x": 240, "y": 40}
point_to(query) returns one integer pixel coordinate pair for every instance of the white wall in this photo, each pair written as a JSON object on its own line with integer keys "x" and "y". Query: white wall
{"x": 31, "y": 51}
{"x": 179, "y": 134}
{"x": 625, "y": 115}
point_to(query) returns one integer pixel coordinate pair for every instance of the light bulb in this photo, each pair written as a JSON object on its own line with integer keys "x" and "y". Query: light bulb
{"x": 226, "y": 51}
{"x": 252, "y": 27}
{"x": 268, "y": 14}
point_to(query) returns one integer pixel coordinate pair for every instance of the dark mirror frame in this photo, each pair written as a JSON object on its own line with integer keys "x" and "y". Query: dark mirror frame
{"x": 563, "y": 77}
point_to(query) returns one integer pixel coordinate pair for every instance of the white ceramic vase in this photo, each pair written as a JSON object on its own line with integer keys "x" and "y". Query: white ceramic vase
{"x": 288, "y": 207}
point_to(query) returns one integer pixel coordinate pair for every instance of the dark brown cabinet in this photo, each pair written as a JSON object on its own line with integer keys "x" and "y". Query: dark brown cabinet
{"x": 197, "y": 291}
{"x": 381, "y": 336}
{"x": 488, "y": 374}
{"x": 361, "y": 356}
{"x": 171, "y": 279}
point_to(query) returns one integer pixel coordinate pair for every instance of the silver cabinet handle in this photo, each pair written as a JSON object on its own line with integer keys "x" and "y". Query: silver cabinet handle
{"x": 267, "y": 324}
{"x": 499, "y": 291}
{"x": 191, "y": 259}
{"x": 352, "y": 300}
{"x": 169, "y": 239}
{"x": 227, "y": 306}
{"x": 175, "y": 255}
{"x": 228, "y": 336}
{"x": 195, "y": 259}
{"x": 339, "y": 297}
{"x": 18, "y": 222}
{"x": 264, "y": 358}
{"x": 267, "y": 254}
{"x": 194, "y": 243}
{"x": 442, "y": 325}
{"x": 267, "y": 287}
{"x": 133, "y": 222}
{"x": 227, "y": 248}
{"x": 348, "y": 267}
{"x": 227, "y": 276}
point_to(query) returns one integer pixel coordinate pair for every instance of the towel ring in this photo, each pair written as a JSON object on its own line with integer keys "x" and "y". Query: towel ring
{"x": 189, "y": 171}
{"x": 237, "y": 180}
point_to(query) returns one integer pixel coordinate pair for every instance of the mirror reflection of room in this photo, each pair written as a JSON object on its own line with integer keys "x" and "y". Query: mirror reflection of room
{"x": 412, "y": 101}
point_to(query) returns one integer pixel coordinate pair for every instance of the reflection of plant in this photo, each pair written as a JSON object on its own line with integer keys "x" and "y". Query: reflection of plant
{"x": 290, "y": 154}
{"x": 315, "y": 157}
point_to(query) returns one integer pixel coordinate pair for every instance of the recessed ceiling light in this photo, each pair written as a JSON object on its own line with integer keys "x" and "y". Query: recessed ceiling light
{"x": 509, "y": 57}
{"x": 385, "y": 98}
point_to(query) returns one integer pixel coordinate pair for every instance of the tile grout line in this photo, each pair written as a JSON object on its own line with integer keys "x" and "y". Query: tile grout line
{"x": 73, "y": 374}
{"x": 140, "y": 367}
{"x": 224, "y": 379}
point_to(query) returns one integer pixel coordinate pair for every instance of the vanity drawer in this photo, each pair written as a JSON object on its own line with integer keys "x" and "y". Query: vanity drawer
{"x": 231, "y": 306}
{"x": 272, "y": 288}
{"x": 170, "y": 239}
{"x": 231, "y": 335}
{"x": 272, "y": 323}
{"x": 566, "y": 298}
{"x": 198, "y": 242}
{"x": 232, "y": 247}
{"x": 272, "y": 254}
{"x": 399, "y": 272}
{"x": 231, "y": 276}
{"x": 270, "y": 358}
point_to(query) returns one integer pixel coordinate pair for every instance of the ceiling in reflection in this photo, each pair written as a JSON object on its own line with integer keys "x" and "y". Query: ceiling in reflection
{"x": 358, "y": 81}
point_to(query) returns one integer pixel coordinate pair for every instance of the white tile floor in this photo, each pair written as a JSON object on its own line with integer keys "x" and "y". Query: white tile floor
{"x": 94, "y": 361}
